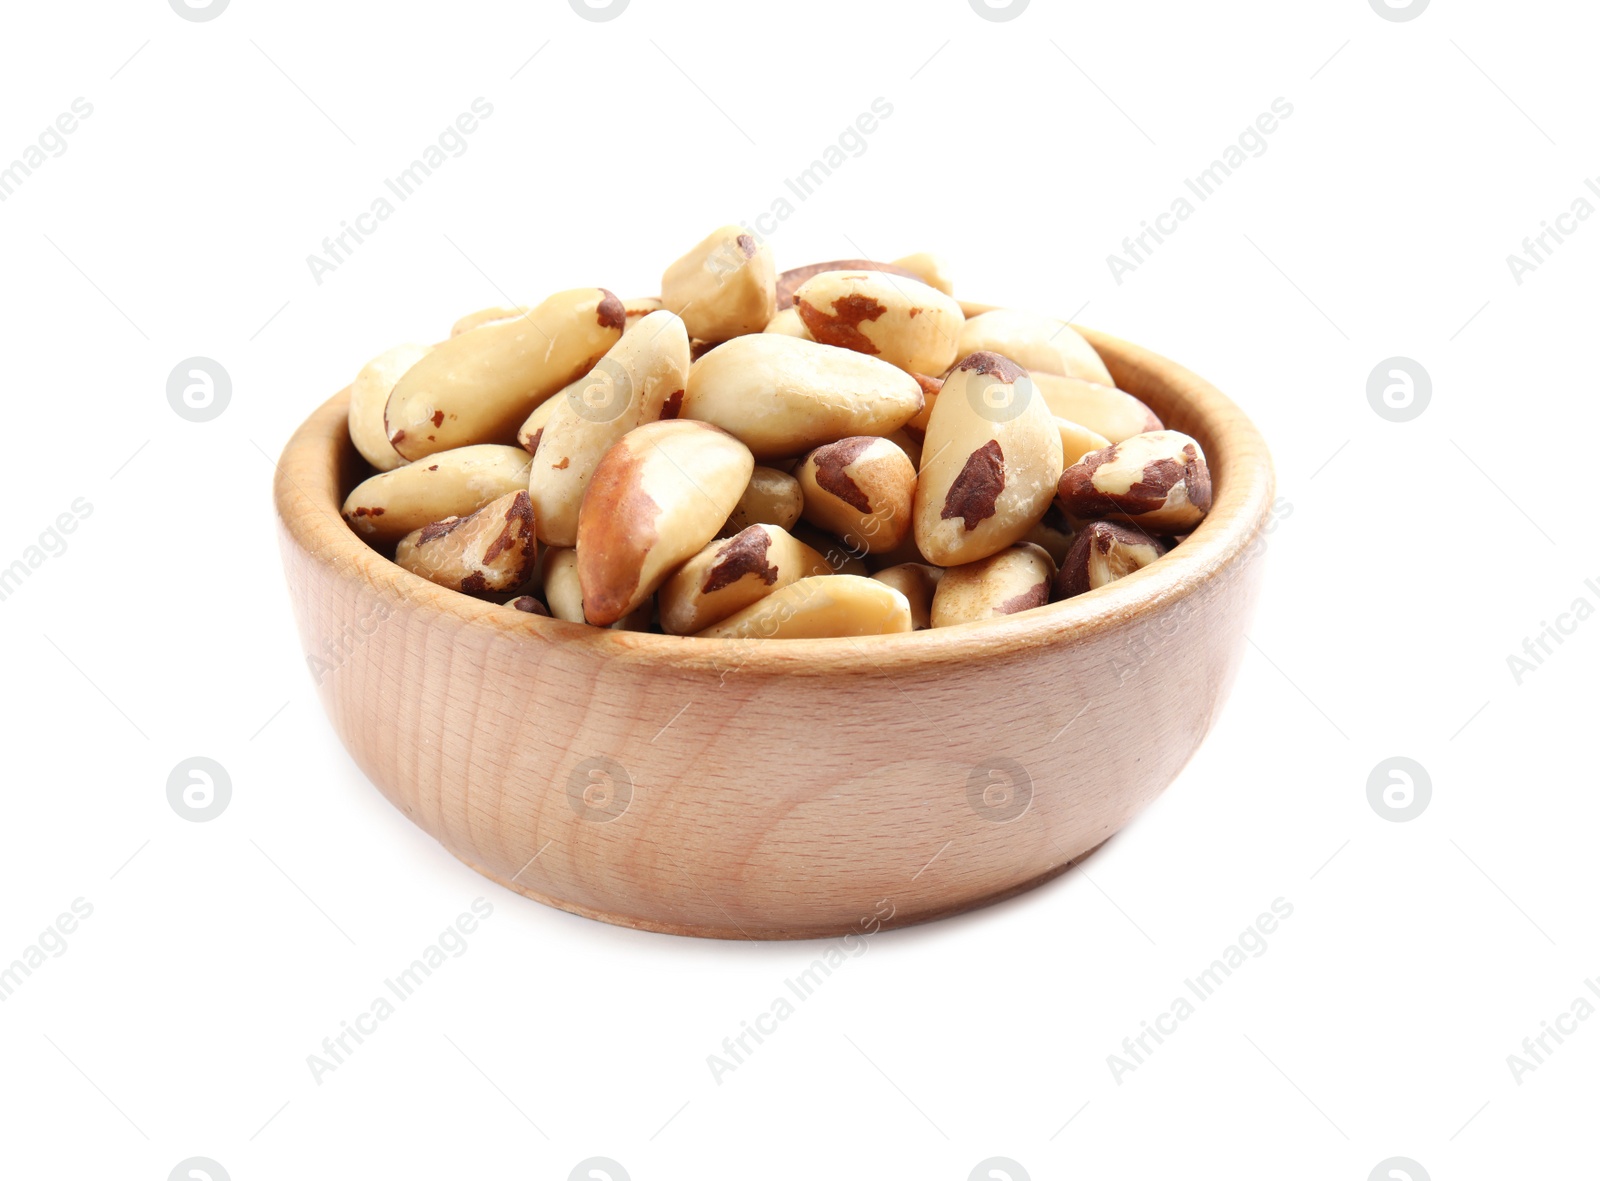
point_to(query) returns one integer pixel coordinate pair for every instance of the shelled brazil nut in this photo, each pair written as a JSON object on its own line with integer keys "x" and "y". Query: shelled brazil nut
{"x": 842, "y": 449}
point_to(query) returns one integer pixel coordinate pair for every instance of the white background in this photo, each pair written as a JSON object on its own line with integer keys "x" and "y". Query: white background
{"x": 1413, "y": 560}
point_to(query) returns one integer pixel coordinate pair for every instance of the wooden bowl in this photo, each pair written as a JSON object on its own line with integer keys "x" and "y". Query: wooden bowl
{"x": 777, "y": 789}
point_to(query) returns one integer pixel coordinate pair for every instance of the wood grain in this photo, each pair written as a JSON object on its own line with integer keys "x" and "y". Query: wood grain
{"x": 779, "y": 789}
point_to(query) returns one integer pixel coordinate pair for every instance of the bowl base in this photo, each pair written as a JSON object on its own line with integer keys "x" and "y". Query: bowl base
{"x": 758, "y": 932}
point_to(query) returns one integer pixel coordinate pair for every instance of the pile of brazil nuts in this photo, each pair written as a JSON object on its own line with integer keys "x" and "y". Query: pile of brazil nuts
{"x": 837, "y": 450}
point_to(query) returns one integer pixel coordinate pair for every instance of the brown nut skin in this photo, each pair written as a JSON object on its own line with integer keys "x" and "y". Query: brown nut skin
{"x": 1102, "y": 409}
{"x": 904, "y": 322}
{"x": 916, "y": 581}
{"x": 1104, "y": 552}
{"x": 1013, "y": 580}
{"x": 656, "y": 498}
{"x": 385, "y": 507}
{"x": 829, "y": 605}
{"x": 725, "y": 287}
{"x": 782, "y": 396}
{"x": 530, "y": 605}
{"x": 730, "y": 574}
{"x": 990, "y": 462}
{"x": 789, "y": 282}
{"x": 860, "y": 489}
{"x": 491, "y": 551}
{"x": 1034, "y": 342}
{"x": 772, "y": 497}
{"x": 1157, "y": 481}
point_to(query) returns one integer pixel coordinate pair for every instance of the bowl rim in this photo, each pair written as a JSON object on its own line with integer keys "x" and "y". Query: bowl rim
{"x": 308, "y": 500}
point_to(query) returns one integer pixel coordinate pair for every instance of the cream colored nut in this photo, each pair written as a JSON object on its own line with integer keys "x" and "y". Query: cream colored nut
{"x": 490, "y": 551}
{"x": 1034, "y": 342}
{"x": 561, "y": 589}
{"x": 1015, "y": 579}
{"x": 1103, "y": 409}
{"x": 782, "y": 396}
{"x": 990, "y": 462}
{"x": 532, "y": 428}
{"x": 788, "y": 323}
{"x": 1104, "y": 552}
{"x": 970, "y": 308}
{"x": 860, "y": 489}
{"x": 817, "y": 608}
{"x": 387, "y": 506}
{"x": 1053, "y": 534}
{"x": 656, "y": 497}
{"x": 841, "y": 557}
{"x": 487, "y": 316}
{"x": 1077, "y": 441}
{"x": 634, "y": 310}
{"x": 477, "y": 387}
{"x": 628, "y": 387}
{"x": 565, "y": 595}
{"x": 730, "y": 574}
{"x": 902, "y": 321}
{"x": 772, "y": 497}
{"x": 789, "y": 282}
{"x": 369, "y": 394}
{"x": 1157, "y": 481}
{"x": 916, "y": 581}
{"x": 929, "y": 268}
{"x": 725, "y": 287}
